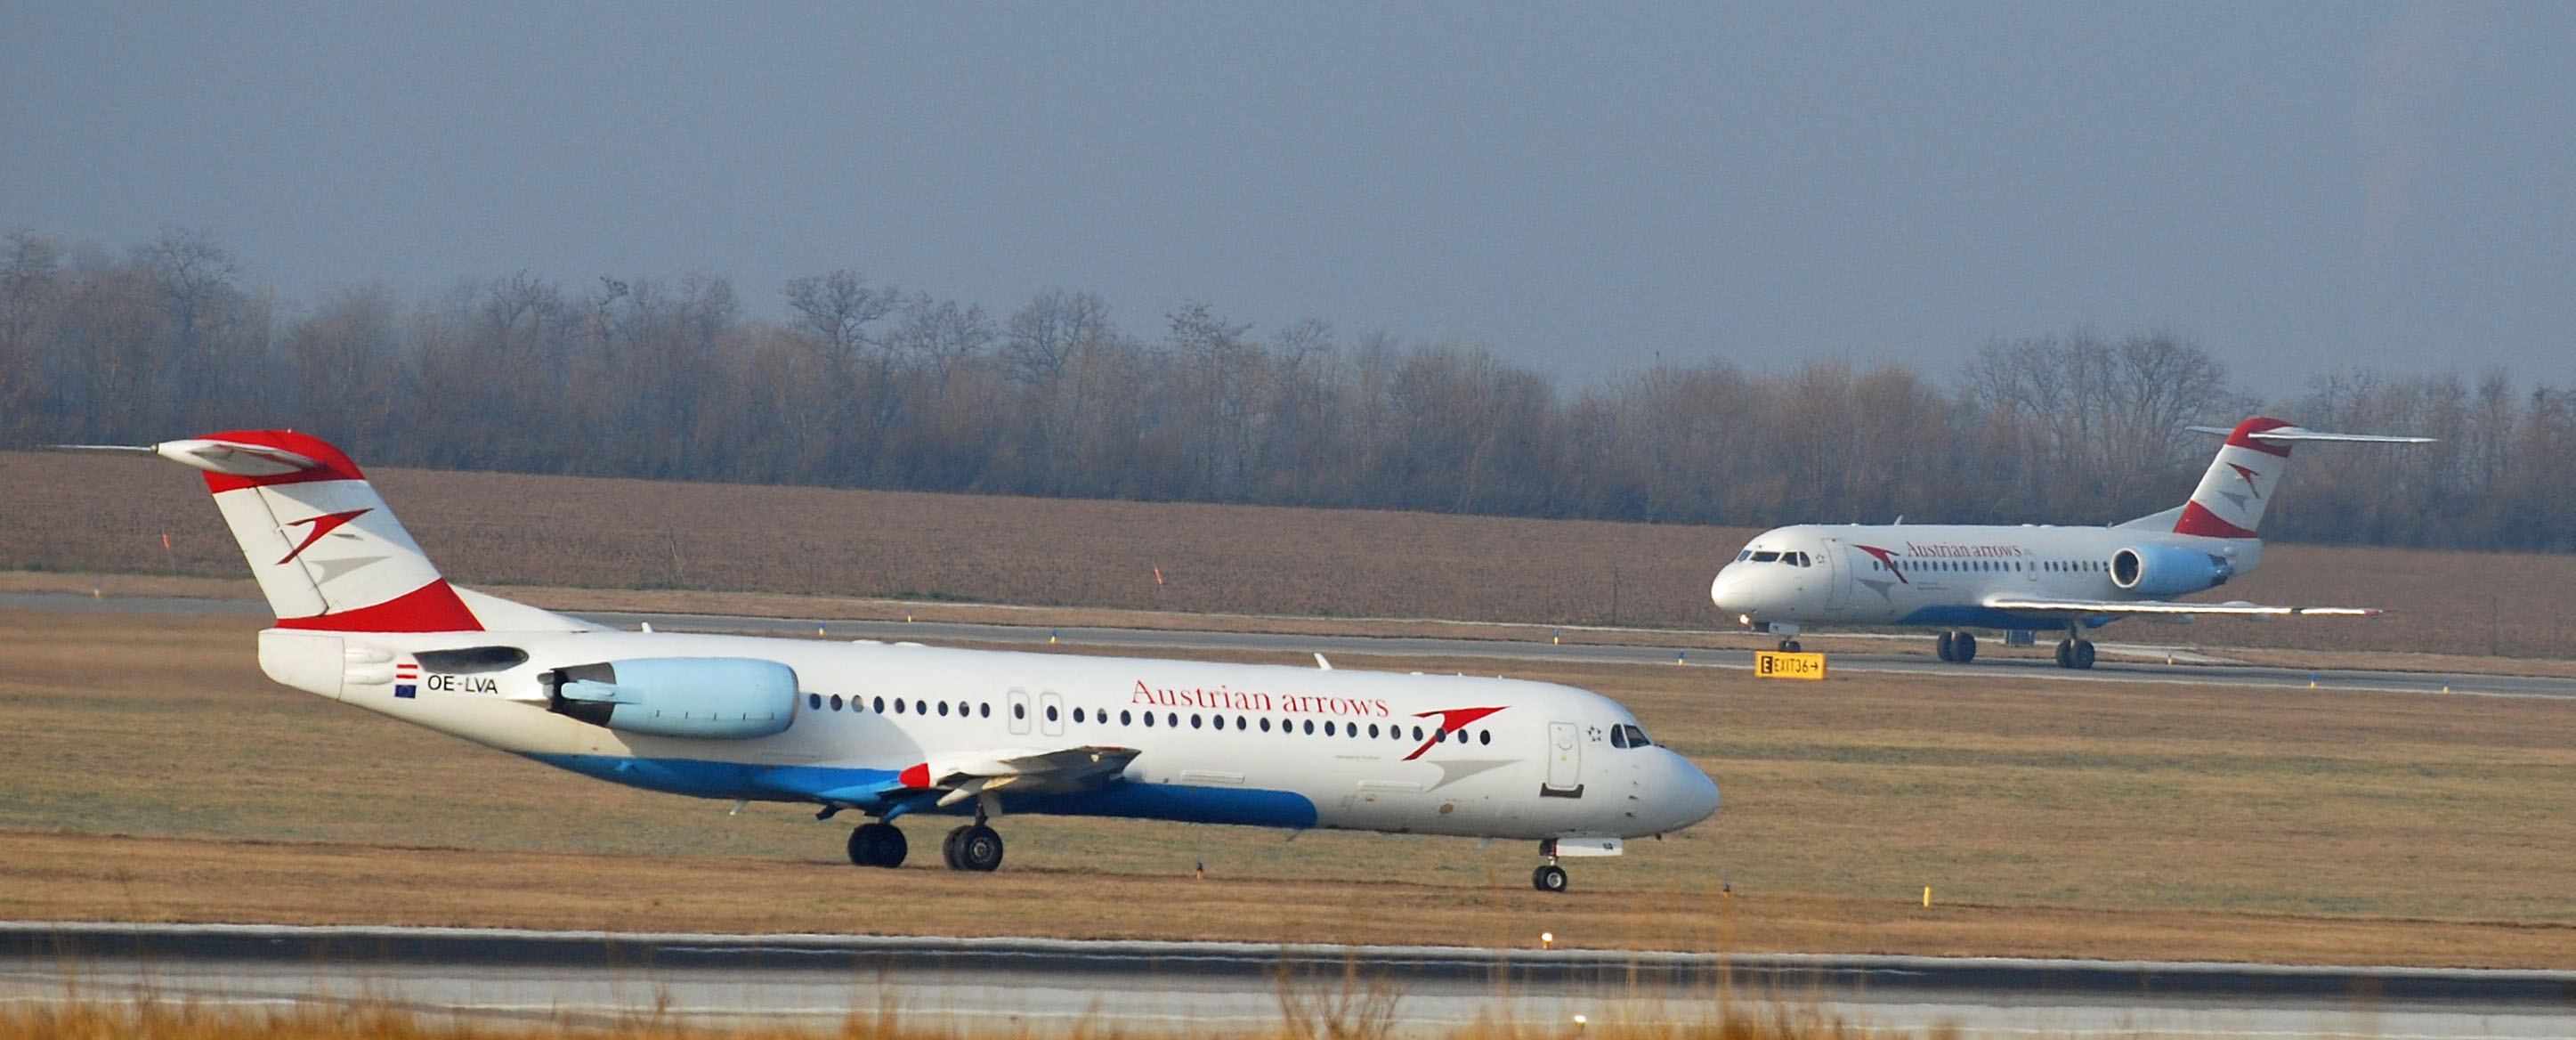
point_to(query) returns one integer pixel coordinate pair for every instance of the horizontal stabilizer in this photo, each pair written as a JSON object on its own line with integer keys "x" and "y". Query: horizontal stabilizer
{"x": 2294, "y": 435}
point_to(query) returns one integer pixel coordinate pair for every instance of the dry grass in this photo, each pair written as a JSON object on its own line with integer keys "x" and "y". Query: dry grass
{"x": 95, "y": 513}
{"x": 1360, "y": 1019}
{"x": 154, "y": 775}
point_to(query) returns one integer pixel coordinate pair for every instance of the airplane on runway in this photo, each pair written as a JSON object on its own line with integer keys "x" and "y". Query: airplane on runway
{"x": 2029, "y": 578}
{"x": 895, "y": 730}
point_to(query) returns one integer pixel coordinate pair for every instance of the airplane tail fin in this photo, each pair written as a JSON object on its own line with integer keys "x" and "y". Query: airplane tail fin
{"x": 2230, "y": 500}
{"x": 327, "y": 551}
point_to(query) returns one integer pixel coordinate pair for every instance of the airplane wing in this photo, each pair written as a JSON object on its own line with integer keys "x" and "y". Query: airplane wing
{"x": 1020, "y": 770}
{"x": 2069, "y": 607}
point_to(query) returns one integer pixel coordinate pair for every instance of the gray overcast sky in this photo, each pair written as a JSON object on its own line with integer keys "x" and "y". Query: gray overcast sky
{"x": 2297, "y": 186}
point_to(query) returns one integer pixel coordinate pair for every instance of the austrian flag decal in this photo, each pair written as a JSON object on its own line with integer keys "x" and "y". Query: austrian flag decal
{"x": 407, "y": 679}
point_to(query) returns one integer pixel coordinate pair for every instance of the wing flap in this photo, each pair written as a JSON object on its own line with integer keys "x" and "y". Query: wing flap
{"x": 1023, "y": 770}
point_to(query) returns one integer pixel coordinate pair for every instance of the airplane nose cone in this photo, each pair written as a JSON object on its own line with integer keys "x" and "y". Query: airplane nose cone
{"x": 1720, "y": 590}
{"x": 1689, "y": 793}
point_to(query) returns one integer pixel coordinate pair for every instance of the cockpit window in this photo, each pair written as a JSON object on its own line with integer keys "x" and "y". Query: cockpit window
{"x": 1798, "y": 558}
{"x": 1765, "y": 556}
{"x": 1628, "y": 736}
{"x": 1739, "y": 557}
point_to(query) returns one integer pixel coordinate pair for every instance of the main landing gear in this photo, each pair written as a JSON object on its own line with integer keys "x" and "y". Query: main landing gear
{"x": 2074, "y": 653}
{"x": 878, "y": 845}
{"x": 1788, "y": 646}
{"x": 1548, "y": 877}
{"x": 972, "y": 846}
{"x": 1958, "y": 647}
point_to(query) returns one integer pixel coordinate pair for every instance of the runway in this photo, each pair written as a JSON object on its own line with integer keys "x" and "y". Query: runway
{"x": 1496, "y": 649}
{"x": 1053, "y": 985}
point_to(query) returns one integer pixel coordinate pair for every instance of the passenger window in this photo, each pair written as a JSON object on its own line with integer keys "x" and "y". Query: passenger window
{"x": 1077, "y": 714}
{"x": 1194, "y": 722}
{"x": 898, "y": 707}
{"x": 1172, "y": 719}
{"x": 1149, "y": 720}
{"x": 1124, "y": 719}
{"x": 1050, "y": 713}
{"x": 836, "y": 702}
{"x": 1372, "y": 729}
{"x": 1239, "y": 723}
{"x": 984, "y": 710}
{"x": 1484, "y": 736}
{"x": 1018, "y": 711}
{"x": 880, "y": 706}
{"x": 1310, "y": 727}
{"x": 943, "y": 709}
{"x": 814, "y": 701}
{"x": 1265, "y": 724}
{"x": 1417, "y": 732}
{"x": 921, "y": 707}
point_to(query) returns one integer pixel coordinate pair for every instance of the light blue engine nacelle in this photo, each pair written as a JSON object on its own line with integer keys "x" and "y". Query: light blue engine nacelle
{"x": 728, "y": 697}
{"x": 2168, "y": 570}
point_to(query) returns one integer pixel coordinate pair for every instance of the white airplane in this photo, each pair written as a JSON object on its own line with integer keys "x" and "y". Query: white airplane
{"x": 2030, "y": 578}
{"x": 896, "y": 730}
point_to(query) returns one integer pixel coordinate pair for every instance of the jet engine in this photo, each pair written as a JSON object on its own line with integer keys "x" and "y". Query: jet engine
{"x": 726, "y": 697}
{"x": 2167, "y": 570}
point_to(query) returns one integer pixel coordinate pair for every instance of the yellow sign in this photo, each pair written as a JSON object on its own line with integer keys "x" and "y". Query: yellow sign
{"x": 1769, "y": 664}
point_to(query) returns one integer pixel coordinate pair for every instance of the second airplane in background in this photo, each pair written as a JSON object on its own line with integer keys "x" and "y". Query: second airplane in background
{"x": 2026, "y": 578}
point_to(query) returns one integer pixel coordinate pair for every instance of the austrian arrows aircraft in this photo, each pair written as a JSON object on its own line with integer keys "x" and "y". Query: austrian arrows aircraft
{"x": 895, "y": 730}
{"x": 2029, "y": 578}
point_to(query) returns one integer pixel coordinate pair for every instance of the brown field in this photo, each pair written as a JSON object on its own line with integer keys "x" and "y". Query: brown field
{"x": 72, "y": 513}
{"x": 153, "y": 774}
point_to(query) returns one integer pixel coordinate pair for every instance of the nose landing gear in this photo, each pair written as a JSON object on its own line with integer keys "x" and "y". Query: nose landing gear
{"x": 1548, "y": 877}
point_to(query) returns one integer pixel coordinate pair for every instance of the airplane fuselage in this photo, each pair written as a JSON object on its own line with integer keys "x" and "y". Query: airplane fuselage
{"x": 1951, "y": 575}
{"x": 1262, "y": 745}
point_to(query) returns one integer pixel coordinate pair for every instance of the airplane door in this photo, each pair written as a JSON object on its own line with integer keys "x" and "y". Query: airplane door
{"x": 1838, "y": 584}
{"x": 1051, "y": 714}
{"x": 1019, "y": 711}
{"x": 1564, "y": 761}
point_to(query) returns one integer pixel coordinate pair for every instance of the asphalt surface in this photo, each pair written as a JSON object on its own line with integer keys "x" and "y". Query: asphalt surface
{"x": 1496, "y": 649}
{"x": 1045, "y": 984}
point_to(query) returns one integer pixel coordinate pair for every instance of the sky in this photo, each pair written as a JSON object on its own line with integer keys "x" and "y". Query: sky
{"x": 1587, "y": 189}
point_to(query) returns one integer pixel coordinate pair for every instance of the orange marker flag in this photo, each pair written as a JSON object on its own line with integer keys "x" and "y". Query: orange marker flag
{"x": 165, "y": 539}
{"x": 1158, "y": 572}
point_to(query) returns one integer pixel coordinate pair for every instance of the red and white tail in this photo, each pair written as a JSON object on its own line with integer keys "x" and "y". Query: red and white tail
{"x": 328, "y": 553}
{"x": 2230, "y": 499}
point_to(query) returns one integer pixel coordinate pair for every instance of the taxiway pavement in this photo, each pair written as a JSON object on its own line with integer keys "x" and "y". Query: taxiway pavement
{"x": 1052, "y": 986}
{"x": 1075, "y": 638}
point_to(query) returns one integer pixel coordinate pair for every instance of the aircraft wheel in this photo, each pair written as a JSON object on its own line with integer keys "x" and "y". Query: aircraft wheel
{"x": 1788, "y": 646}
{"x": 2065, "y": 654}
{"x": 2083, "y": 655}
{"x": 978, "y": 848}
{"x": 1947, "y": 646}
{"x": 1548, "y": 878}
{"x": 948, "y": 845}
{"x": 878, "y": 845}
{"x": 1964, "y": 648}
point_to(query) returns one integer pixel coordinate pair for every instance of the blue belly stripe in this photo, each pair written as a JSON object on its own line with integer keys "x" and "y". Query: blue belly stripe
{"x": 867, "y": 789}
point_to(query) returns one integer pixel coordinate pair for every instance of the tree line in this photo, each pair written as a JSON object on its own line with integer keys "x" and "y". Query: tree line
{"x": 867, "y": 385}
